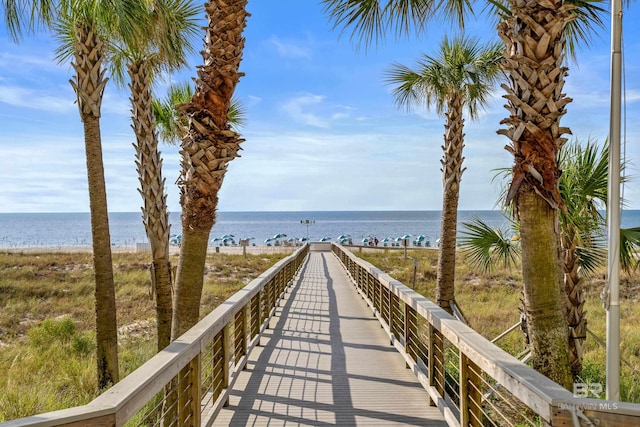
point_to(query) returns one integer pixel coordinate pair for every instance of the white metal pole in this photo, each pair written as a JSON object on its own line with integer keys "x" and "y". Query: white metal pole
{"x": 613, "y": 208}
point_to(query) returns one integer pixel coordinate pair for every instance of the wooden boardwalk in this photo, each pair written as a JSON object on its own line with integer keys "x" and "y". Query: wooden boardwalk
{"x": 325, "y": 361}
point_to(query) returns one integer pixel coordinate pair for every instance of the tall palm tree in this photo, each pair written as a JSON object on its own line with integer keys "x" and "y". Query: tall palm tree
{"x": 459, "y": 78}
{"x": 209, "y": 145}
{"x": 534, "y": 34}
{"x": 84, "y": 30}
{"x": 164, "y": 42}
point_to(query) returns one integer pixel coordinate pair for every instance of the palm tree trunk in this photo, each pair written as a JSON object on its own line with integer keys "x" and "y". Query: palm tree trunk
{"x": 193, "y": 251}
{"x": 576, "y": 315}
{"x": 89, "y": 85}
{"x": 534, "y": 39}
{"x": 451, "y": 176}
{"x": 208, "y": 147}
{"x": 543, "y": 294}
{"x": 155, "y": 216}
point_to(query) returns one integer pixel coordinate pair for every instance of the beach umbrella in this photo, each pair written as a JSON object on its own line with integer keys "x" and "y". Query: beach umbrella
{"x": 386, "y": 239}
{"x": 303, "y": 239}
{"x": 326, "y": 239}
{"x": 279, "y": 236}
{"x": 344, "y": 236}
{"x": 268, "y": 240}
{"x": 227, "y": 236}
{"x": 406, "y": 236}
{"x": 420, "y": 238}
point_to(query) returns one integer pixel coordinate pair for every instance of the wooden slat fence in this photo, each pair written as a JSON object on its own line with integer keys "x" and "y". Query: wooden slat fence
{"x": 472, "y": 381}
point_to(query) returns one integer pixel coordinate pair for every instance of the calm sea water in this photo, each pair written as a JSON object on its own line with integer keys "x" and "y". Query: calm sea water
{"x": 58, "y": 229}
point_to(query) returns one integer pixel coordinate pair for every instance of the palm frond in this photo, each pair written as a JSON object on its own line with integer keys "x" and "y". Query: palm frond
{"x": 463, "y": 67}
{"x": 629, "y": 246}
{"x": 370, "y": 21}
{"x": 484, "y": 247}
{"x": 589, "y": 18}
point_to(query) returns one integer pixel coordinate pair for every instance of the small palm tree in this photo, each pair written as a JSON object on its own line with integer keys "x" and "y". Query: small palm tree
{"x": 460, "y": 78}
{"x": 172, "y": 127}
{"x": 583, "y": 186}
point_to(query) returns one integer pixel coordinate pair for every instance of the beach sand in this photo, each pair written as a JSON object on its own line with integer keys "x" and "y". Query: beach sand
{"x": 174, "y": 250}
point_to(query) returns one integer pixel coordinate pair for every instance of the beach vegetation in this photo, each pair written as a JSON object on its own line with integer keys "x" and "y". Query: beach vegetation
{"x": 584, "y": 186}
{"x": 47, "y": 321}
{"x": 459, "y": 78}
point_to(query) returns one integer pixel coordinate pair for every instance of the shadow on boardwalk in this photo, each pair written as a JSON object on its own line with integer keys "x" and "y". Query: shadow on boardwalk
{"x": 325, "y": 361}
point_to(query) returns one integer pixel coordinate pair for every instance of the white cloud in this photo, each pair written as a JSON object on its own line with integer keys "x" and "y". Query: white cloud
{"x": 36, "y": 99}
{"x": 296, "y": 109}
{"x": 289, "y": 49}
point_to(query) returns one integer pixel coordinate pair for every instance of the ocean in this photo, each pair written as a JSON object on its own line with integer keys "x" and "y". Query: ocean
{"x": 63, "y": 229}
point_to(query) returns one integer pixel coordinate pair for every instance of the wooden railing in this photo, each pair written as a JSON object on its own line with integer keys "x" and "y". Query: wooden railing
{"x": 188, "y": 383}
{"x": 473, "y": 382}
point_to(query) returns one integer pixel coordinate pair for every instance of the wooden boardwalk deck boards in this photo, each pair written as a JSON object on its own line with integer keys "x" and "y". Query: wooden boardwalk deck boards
{"x": 326, "y": 361}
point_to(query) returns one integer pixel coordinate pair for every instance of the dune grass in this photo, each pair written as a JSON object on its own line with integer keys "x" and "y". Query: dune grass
{"x": 491, "y": 302}
{"x": 47, "y": 318}
{"x": 47, "y": 353}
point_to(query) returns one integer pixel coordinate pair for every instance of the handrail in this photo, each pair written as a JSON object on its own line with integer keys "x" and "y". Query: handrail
{"x": 472, "y": 381}
{"x": 189, "y": 381}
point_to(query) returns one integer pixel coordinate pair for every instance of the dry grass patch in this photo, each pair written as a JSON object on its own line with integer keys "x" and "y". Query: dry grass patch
{"x": 47, "y": 319}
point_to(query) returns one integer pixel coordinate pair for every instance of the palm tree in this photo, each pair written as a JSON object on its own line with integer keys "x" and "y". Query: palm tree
{"x": 165, "y": 40}
{"x": 583, "y": 186}
{"x": 209, "y": 145}
{"x": 534, "y": 34}
{"x": 83, "y": 28}
{"x": 460, "y": 78}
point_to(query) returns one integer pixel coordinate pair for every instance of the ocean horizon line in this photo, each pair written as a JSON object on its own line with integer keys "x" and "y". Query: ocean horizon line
{"x": 270, "y": 211}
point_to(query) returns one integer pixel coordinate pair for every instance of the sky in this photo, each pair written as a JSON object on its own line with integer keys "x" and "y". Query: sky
{"x": 322, "y": 130}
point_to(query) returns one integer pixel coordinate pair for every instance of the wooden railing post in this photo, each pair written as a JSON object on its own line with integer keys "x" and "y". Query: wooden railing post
{"x": 226, "y": 359}
{"x": 255, "y": 316}
{"x": 394, "y": 306}
{"x": 436, "y": 362}
{"x": 190, "y": 395}
{"x": 239, "y": 332}
{"x": 470, "y": 393}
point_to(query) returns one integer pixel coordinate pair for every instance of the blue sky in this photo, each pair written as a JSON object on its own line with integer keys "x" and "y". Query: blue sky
{"x": 322, "y": 130}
